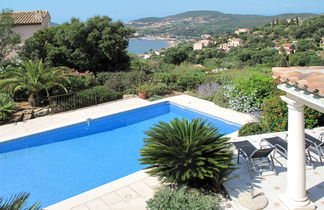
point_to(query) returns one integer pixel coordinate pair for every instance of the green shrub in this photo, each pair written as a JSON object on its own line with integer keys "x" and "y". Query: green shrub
{"x": 161, "y": 89}
{"x": 187, "y": 152}
{"x": 7, "y": 106}
{"x": 190, "y": 80}
{"x": 183, "y": 198}
{"x": 135, "y": 78}
{"x": 220, "y": 100}
{"x": 114, "y": 81}
{"x": 78, "y": 83}
{"x": 262, "y": 83}
{"x": 260, "y": 68}
{"x": 251, "y": 128}
{"x": 313, "y": 118}
{"x": 247, "y": 93}
{"x": 166, "y": 78}
{"x": 122, "y": 81}
{"x": 104, "y": 77}
{"x": 275, "y": 115}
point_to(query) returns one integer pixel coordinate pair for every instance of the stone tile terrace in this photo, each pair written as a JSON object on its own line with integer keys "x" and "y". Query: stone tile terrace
{"x": 270, "y": 184}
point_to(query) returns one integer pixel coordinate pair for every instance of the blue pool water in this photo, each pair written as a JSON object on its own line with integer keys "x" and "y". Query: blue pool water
{"x": 61, "y": 163}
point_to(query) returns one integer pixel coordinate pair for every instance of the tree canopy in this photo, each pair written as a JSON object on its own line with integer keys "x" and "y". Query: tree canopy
{"x": 96, "y": 45}
{"x": 8, "y": 38}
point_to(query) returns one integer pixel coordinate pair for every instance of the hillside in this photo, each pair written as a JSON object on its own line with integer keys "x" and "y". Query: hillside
{"x": 196, "y": 23}
{"x": 282, "y": 43}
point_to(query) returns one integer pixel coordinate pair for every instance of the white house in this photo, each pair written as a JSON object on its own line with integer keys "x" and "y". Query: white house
{"x": 235, "y": 42}
{"x": 242, "y": 30}
{"x": 202, "y": 43}
{"x": 26, "y": 23}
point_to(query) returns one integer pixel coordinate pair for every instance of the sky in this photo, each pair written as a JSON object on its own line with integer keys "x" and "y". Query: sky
{"x": 126, "y": 10}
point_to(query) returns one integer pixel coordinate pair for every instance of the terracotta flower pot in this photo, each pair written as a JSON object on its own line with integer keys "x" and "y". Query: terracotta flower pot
{"x": 143, "y": 95}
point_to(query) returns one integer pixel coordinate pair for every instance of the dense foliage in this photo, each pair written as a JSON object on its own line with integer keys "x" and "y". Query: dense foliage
{"x": 261, "y": 46}
{"x": 9, "y": 39}
{"x": 183, "y": 198}
{"x": 187, "y": 152}
{"x": 122, "y": 81}
{"x": 7, "y": 106}
{"x": 251, "y": 128}
{"x": 246, "y": 94}
{"x": 275, "y": 115}
{"x": 96, "y": 45}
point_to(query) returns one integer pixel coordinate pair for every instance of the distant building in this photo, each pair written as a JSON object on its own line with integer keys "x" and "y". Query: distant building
{"x": 202, "y": 43}
{"x": 26, "y": 23}
{"x": 231, "y": 43}
{"x": 205, "y": 36}
{"x": 288, "y": 48}
{"x": 147, "y": 56}
{"x": 242, "y": 30}
{"x": 197, "y": 46}
{"x": 235, "y": 42}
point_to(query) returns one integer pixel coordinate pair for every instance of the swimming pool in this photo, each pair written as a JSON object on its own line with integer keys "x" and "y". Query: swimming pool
{"x": 61, "y": 163}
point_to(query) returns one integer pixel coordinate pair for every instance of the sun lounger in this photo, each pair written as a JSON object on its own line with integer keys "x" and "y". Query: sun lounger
{"x": 281, "y": 147}
{"x": 317, "y": 145}
{"x": 253, "y": 155}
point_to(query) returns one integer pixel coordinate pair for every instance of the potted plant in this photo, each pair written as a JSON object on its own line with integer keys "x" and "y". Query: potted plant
{"x": 144, "y": 90}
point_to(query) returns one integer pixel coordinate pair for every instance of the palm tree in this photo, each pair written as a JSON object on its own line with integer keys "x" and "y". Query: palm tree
{"x": 187, "y": 152}
{"x": 34, "y": 77}
{"x": 17, "y": 202}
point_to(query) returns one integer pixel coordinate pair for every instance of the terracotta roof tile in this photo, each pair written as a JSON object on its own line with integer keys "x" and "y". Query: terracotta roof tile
{"x": 309, "y": 78}
{"x": 29, "y": 17}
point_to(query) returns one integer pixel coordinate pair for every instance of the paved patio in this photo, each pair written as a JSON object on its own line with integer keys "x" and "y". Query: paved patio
{"x": 270, "y": 184}
{"x": 130, "y": 192}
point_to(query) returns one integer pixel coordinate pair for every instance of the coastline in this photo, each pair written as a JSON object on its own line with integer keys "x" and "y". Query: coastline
{"x": 171, "y": 42}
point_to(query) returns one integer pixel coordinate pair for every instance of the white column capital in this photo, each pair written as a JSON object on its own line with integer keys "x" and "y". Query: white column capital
{"x": 292, "y": 104}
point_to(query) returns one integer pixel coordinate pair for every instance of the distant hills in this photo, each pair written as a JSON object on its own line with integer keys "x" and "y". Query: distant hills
{"x": 52, "y": 24}
{"x": 196, "y": 23}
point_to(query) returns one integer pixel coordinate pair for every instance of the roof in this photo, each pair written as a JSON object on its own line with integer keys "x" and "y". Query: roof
{"x": 29, "y": 17}
{"x": 288, "y": 45}
{"x": 310, "y": 79}
{"x": 234, "y": 39}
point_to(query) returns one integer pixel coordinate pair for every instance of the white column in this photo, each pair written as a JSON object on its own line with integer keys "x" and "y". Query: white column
{"x": 295, "y": 197}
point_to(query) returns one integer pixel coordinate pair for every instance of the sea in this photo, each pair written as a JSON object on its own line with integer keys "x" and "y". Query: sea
{"x": 139, "y": 46}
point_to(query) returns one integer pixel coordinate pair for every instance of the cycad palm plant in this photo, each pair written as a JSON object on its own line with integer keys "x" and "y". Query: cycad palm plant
{"x": 187, "y": 152}
{"x": 17, "y": 202}
{"x": 34, "y": 77}
{"x": 7, "y": 106}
